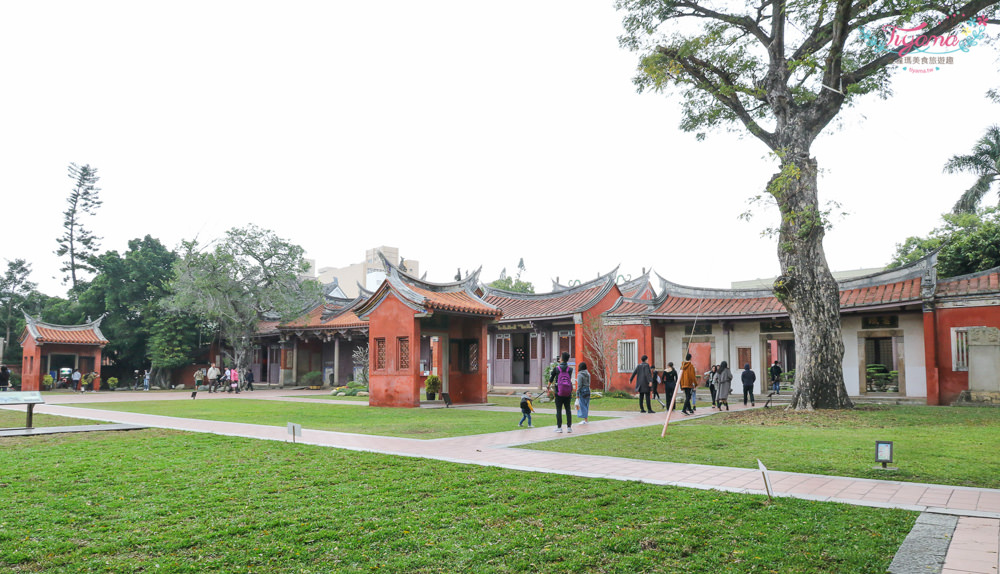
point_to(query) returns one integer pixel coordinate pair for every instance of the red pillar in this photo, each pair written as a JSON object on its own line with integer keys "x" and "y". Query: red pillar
{"x": 931, "y": 357}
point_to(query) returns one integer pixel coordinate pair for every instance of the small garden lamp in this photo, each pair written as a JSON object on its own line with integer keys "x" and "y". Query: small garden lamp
{"x": 883, "y": 452}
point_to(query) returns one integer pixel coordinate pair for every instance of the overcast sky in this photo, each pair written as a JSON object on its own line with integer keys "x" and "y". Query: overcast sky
{"x": 465, "y": 133}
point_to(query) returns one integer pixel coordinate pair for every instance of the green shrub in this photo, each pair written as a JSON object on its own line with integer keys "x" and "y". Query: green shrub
{"x": 312, "y": 379}
{"x": 15, "y": 380}
{"x": 618, "y": 395}
{"x": 352, "y": 392}
{"x": 112, "y": 383}
{"x": 432, "y": 384}
{"x": 357, "y": 385}
{"x": 47, "y": 381}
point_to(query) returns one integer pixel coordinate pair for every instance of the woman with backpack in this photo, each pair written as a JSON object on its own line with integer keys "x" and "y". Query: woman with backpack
{"x": 562, "y": 376}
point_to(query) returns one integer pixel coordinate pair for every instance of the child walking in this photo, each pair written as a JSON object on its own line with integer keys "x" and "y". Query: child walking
{"x": 526, "y": 409}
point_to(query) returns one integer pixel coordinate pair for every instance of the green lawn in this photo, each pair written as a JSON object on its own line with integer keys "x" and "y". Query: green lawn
{"x": 409, "y": 423}
{"x": 940, "y": 445}
{"x": 330, "y": 398}
{"x": 16, "y": 419}
{"x": 602, "y": 404}
{"x": 171, "y": 502}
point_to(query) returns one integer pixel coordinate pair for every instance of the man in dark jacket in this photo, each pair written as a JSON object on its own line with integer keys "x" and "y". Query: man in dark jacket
{"x": 775, "y": 372}
{"x": 643, "y": 377}
{"x": 748, "y": 378}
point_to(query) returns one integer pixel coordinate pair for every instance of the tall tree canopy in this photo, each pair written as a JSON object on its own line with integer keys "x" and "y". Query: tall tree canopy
{"x": 77, "y": 243}
{"x": 128, "y": 288}
{"x": 967, "y": 243}
{"x": 14, "y": 290}
{"x": 984, "y": 163}
{"x": 782, "y": 70}
{"x": 515, "y": 284}
{"x": 233, "y": 282}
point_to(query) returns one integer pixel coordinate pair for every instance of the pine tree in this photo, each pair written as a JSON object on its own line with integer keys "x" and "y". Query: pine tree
{"x": 77, "y": 243}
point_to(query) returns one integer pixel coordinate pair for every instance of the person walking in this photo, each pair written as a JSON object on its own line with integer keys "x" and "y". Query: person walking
{"x": 669, "y": 377}
{"x": 4, "y": 378}
{"x": 234, "y": 379}
{"x": 749, "y": 378}
{"x": 249, "y": 379}
{"x": 526, "y": 409}
{"x": 775, "y": 372}
{"x": 643, "y": 376}
{"x": 688, "y": 382}
{"x": 213, "y": 378}
{"x": 77, "y": 385}
{"x": 723, "y": 384}
{"x": 562, "y": 376}
{"x": 145, "y": 380}
{"x": 583, "y": 393}
{"x": 710, "y": 381}
{"x": 655, "y": 382}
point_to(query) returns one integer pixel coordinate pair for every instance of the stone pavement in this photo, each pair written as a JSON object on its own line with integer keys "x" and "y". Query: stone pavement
{"x": 974, "y": 547}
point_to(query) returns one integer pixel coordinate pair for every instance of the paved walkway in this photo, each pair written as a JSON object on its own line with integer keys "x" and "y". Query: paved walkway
{"x": 974, "y": 548}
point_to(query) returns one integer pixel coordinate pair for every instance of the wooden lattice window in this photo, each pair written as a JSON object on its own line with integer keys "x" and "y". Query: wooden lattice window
{"x": 473, "y": 354}
{"x": 534, "y": 345}
{"x": 379, "y": 354}
{"x": 404, "y": 352}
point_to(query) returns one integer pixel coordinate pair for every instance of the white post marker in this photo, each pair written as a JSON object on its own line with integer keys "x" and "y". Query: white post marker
{"x": 767, "y": 479}
{"x": 294, "y": 430}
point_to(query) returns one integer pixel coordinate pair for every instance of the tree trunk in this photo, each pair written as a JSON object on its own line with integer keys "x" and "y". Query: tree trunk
{"x": 807, "y": 288}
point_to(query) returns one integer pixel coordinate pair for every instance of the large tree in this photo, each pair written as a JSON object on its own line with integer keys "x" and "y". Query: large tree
{"x": 231, "y": 283}
{"x": 14, "y": 290}
{"x": 782, "y": 70}
{"x": 128, "y": 288}
{"x": 984, "y": 163}
{"x": 77, "y": 243}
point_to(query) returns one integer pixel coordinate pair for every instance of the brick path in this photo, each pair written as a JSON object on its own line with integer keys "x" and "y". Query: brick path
{"x": 974, "y": 549}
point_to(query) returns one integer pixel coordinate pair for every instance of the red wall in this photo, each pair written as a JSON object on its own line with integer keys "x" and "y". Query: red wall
{"x": 594, "y": 313}
{"x": 951, "y": 383}
{"x": 644, "y": 343}
{"x": 468, "y": 387}
{"x": 31, "y": 379}
{"x": 392, "y": 386}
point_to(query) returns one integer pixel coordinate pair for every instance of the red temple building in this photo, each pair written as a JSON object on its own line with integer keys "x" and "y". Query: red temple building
{"x": 417, "y": 328}
{"x": 536, "y": 328}
{"x": 47, "y": 347}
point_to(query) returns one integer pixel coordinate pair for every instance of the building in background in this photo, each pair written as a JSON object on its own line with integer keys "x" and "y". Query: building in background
{"x": 369, "y": 273}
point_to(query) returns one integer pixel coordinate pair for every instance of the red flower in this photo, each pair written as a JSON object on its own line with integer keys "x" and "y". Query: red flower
{"x": 981, "y": 20}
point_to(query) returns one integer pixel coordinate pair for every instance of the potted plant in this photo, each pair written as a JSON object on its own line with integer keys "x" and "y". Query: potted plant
{"x": 112, "y": 383}
{"x": 432, "y": 386}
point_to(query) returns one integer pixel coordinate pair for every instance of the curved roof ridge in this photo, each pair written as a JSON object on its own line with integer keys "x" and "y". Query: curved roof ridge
{"x": 676, "y": 289}
{"x": 972, "y": 275}
{"x": 622, "y": 301}
{"x": 644, "y": 278}
{"x": 487, "y": 290}
{"x": 362, "y": 290}
{"x": 403, "y": 277}
{"x": 331, "y": 314}
{"x": 909, "y": 271}
{"x": 95, "y": 324}
{"x": 31, "y": 325}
